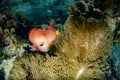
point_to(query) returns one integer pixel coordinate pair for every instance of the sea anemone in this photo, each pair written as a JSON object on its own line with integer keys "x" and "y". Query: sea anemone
{"x": 81, "y": 48}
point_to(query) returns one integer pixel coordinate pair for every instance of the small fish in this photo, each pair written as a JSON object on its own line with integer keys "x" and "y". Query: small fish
{"x": 51, "y": 53}
{"x": 43, "y": 39}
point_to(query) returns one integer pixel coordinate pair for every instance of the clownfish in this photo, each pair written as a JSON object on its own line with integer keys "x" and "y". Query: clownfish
{"x": 43, "y": 39}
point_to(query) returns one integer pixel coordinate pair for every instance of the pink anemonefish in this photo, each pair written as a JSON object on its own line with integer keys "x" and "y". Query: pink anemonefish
{"x": 43, "y": 39}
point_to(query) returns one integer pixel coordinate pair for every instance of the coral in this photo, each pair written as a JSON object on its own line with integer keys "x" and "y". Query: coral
{"x": 3, "y": 41}
{"x": 17, "y": 21}
{"x": 10, "y": 52}
{"x": 7, "y": 65}
{"x": 10, "y": 46}
{"x": 113, "y": 71}
{"x": 104, "y": 9}
{"x": 117, "y": 34}
{"x": 86, "y": 9}
{"x": 10, "y": 49}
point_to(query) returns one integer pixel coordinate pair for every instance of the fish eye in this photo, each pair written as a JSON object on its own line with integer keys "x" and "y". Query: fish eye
{"x": 41, "y": 44}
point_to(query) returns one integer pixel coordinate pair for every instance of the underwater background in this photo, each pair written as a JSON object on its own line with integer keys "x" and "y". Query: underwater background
{"x": 86, "y": 44}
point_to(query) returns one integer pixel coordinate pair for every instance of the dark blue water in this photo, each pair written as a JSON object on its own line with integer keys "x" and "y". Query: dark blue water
{"x": 43, "y": 11}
